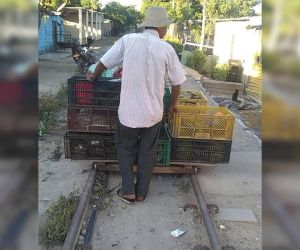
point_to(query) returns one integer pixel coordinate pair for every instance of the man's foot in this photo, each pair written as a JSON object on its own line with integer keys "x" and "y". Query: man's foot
{"x": 126, "y": 198}
{"x": 140, "y": 198}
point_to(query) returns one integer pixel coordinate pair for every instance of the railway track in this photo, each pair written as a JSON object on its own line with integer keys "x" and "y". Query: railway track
{"x": 202, "y": 206}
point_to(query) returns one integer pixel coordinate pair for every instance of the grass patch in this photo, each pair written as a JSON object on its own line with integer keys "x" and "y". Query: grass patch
{"x": 58, "y": 219}
{"x": 49, "y": 105}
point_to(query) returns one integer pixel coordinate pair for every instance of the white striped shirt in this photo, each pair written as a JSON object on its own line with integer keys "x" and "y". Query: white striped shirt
{"x": 146, "y": 59}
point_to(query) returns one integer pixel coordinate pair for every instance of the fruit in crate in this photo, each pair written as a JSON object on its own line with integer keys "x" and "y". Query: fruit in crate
{"x": 194, "y": 98}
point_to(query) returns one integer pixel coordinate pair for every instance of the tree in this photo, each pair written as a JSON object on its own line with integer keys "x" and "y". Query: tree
{"x": 50, "y": 4}
{"x": 218, "y": 9}
{"x": 182, "y": 10}
{"x": 91, "y": 4}
{"x": 54, "y": 4}
{"x": 122, "y": 17}
{"x": 179, "y": 10}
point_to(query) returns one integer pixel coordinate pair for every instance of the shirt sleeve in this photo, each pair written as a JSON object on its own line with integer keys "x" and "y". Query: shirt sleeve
{"x": 175, "y": 70}
{"x": 114, "y": 56}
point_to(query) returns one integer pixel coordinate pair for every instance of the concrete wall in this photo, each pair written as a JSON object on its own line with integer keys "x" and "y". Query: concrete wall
{"x": 106, "y": 28}
{"x": 238, "y": 40}
{"x": 71, "y": 24}
{"x": 235, "y": 40}
{"x": 91, "y": 25}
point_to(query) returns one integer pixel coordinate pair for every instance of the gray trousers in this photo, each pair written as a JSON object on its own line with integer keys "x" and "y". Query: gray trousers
{"x": 136, "y": 145}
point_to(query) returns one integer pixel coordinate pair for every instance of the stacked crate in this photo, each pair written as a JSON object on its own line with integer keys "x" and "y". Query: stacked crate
{"x": 200, "y": 133}
{"x": 93, "y": 118}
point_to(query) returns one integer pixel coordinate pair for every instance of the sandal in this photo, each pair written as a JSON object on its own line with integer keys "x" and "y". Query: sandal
{"x": 126, "y": 200}
{"x": 141, "y": 200}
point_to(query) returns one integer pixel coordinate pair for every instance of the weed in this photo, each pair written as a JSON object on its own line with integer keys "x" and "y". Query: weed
{"x": 58, "y": 219}
{"x": 49, "y": 105}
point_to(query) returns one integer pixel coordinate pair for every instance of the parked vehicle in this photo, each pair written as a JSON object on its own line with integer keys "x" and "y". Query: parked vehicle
{"x": 82, "y": 55}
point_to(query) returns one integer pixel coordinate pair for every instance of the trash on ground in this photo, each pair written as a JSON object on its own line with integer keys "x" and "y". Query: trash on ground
{"x": 222, "y": 227}
{"x": 178, "y": 232}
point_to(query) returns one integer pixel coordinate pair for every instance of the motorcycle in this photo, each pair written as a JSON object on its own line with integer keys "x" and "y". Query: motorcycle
{"x": 82, "y": 55}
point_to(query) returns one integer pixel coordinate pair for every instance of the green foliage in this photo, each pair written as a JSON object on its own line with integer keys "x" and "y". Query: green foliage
{"x": 122, "y": 17}
{"x": 218, "y": 9}
{"x": 181, "y": 10}
{"x": 209, "y": 66}
{"x": 220, "y": 72}
{"x": 178, "y": 11}
{"x": 197, "y": 60}
{"x": 90, "y": 4}
{"x": 50, "y": 4}
{"x": 54, "y": 4}
{"x": 230, "y": 8}
{"x": 176, "y": 44}
{"x": 49, "y": 105}
{"x": 58, "y": 219}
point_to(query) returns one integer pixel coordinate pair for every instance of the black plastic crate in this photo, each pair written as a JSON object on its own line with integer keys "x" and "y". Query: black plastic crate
{"x": 90, "y": 146}
{"x": 101, "y": 93}
{"x": 92, "y": 119}
{"x": 201, "y": 151}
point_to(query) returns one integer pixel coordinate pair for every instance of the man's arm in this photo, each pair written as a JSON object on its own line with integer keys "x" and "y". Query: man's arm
{"x": 98, "y": 72}
{"x": 174, "y": 97}
{"x": 113, "y": 57}
{"x": 176, "y": 75}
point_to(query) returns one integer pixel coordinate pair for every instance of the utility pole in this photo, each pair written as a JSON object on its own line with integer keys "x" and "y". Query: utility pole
{"x": 203, "y": 25}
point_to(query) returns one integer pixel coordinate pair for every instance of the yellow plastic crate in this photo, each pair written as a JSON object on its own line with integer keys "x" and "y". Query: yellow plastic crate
{"x": 192, "y": 98}
{"x": 210, "y": 123}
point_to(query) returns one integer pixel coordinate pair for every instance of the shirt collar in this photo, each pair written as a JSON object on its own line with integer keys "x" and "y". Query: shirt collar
{"x": 152, "y": 32}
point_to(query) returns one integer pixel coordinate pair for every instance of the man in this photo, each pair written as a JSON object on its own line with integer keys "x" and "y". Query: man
{"x": 146, "y": 59}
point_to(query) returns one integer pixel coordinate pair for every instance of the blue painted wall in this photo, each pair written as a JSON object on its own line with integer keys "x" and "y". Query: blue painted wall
{"x": 46, "y": 42}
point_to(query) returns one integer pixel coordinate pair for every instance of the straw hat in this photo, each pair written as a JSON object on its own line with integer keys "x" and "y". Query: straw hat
{"x": 156, "y": 17}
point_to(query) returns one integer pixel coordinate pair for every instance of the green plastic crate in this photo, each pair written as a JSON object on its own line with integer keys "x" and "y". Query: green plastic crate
{"x": 163, "y": 155}
{"x": 167, "y": 99}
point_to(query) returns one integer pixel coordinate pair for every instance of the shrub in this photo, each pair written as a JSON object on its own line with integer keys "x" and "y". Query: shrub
{"x": 209, "y": 66}
{"x": 49, "y": 105}
{"x": 58, "y": 219}
{"x": 197, "y": 60}
{"x": 176, "y": 44}
{"x": 220, "y": 72}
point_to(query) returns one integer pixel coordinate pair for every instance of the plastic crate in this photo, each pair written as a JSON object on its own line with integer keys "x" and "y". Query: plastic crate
{"x": 200, "y": 151}
{"x": 167, "y": 99}
{"x": 102, "y": 93}
{"x": 164, "y": 147}
{"x": 196, "y": 122}
{"x": 88, "y": 146}
{"x": 192, "y": 98}
{"x": 92, "y": 119}
{"x": 166, "y": 118}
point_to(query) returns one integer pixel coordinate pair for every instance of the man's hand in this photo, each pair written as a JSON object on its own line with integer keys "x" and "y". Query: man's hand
{"x": 172, "y": 109}
{"x": 90, "y": 76}
{"x": 174, "y": 97}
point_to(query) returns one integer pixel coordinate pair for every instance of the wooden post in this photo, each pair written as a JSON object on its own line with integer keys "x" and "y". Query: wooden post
{"x": 80, "y": 24}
